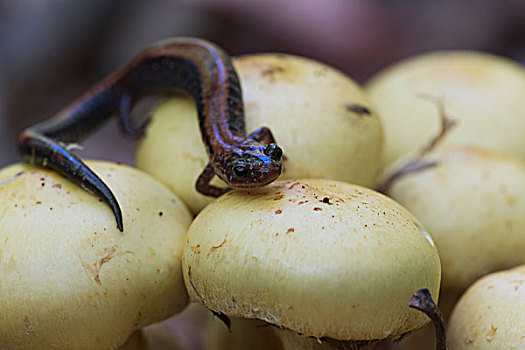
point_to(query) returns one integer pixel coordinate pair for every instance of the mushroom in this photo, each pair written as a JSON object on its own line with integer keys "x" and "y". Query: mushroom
{"x": 472, "y": 201}
{"x": 327, "y": 260}
{"x": 69, "y": 279}
{"x": 484, "y": 92}
{"x": 490, "y": 315}
{"x": 321, "y": 118}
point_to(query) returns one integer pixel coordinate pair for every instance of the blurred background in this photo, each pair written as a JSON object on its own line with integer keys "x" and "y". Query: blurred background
{"x": 52, "y": 50}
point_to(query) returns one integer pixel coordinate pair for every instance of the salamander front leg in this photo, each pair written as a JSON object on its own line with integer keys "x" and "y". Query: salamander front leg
{"x": 203, "y": 183}
{"x": 126, "y": 123}
{"x": 41, "y": 150}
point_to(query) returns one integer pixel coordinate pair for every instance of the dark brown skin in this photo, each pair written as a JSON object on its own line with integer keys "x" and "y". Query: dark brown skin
{"x": 196, "y": 66}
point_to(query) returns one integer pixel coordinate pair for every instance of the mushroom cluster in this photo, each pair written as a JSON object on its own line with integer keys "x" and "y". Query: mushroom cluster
{"x": 453, "y": 124}
{"x": 316, "y": 260}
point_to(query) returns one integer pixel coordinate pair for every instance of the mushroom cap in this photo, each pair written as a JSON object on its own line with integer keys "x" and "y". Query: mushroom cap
{"x": 473, "y": 203}
{"x": 483, "y": 92}
{"x": 322, "y": 258}
{"x": 69, "y": 278}
{"x": 491, "y": 313}
{"x": 307, "y": 105}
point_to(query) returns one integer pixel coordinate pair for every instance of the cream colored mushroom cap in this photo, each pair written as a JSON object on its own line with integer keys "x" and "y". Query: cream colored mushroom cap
{"x": 308, "y": 107}
{"x": 473, "y": 202}
{"x": 343, "y": 267}
{"x": 491, "y": 313}
{"x": 69, "y": 279}
{"x": 483, "y": 92}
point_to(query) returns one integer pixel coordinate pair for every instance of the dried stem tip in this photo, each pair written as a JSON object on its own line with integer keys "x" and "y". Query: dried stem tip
{"x": 422, "y": 301}
{"x": 417, "y": 164}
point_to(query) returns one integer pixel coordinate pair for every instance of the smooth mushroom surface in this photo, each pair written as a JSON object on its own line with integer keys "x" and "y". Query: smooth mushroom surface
{"x": 69, "y": 279}
{"x": 483, "y": 92}
{"x": 322, "y": 258}
{"x": 323, "y": 121}
{"x": 473, "y": 202}
{"x": 491, "y": 313}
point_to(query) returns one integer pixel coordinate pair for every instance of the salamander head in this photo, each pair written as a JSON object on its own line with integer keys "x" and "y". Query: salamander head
{"x": 253, "y": 166}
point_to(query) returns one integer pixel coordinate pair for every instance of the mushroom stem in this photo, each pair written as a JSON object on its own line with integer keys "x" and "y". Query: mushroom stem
{"x": 417, "y": 163}
{"x": 422, "y": 301}
{"x": 294, "y": 341}
{"x": 135, "y": 342}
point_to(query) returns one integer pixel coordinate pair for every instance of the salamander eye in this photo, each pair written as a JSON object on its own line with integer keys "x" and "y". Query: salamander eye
{"x": 273, "y": 151}
{"x": 240, "y": 171}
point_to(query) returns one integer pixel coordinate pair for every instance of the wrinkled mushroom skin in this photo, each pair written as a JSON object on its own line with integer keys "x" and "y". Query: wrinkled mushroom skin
{"x": 322, "y": 119}
{"x": 490, "y": 315}
{"x": 483, "y": 92}
{"x": 473, "y": 202}
{"x": 346, "y": 272}
{"x": 69, "y": 278}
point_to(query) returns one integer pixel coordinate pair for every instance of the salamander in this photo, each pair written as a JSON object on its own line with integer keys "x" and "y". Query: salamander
{"x": 195, "y": 66}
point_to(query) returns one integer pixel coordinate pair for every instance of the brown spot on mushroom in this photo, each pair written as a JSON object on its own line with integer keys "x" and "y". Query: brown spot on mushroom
{"x": 93, "y": 270}
{"x": 38, "y": 202}
{"x": 213, "y": 247}
{"x": 270, "y": 71}
{"x": 290, "y": 230}
{"x": 471, "y": 338}
{"x": 278, "y": 211}
{"x": 317, "y": 209}
{"x": 59, "y": 186}
{"x": 106, "y": 256}
{"x": 161, "y": 213}
{"x": 491, "y": 333}
{"x": 280, "y": 196}
{"x": 27, "y": 325}
{"x": 294, "y": 184}
{"x": 196, "y": 249}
